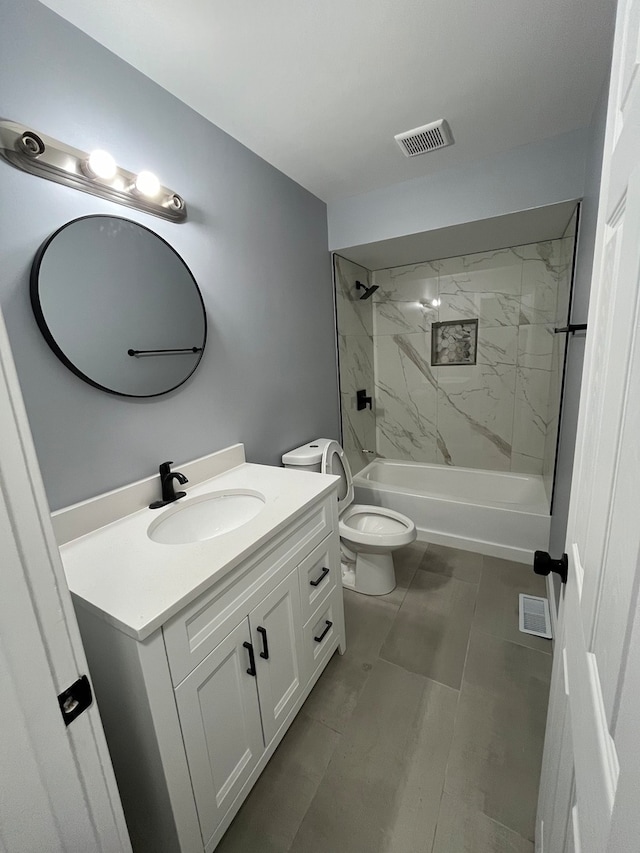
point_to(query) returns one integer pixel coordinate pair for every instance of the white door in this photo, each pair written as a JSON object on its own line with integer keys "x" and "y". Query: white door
{"x": 220, "y": 719}
{"x": 276, "y": 631}
{"x": 590, "y": 785}
{"x": 57, "y": 788}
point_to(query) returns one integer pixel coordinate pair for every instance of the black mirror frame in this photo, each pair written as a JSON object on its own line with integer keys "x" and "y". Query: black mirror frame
{"x": 42, "y": 323}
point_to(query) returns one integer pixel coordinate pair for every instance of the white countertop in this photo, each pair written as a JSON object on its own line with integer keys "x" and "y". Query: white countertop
{"x": 137, "y": 584}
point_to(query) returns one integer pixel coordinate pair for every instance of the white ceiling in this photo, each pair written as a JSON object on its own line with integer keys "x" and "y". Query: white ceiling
{"x": 318, "y": 88}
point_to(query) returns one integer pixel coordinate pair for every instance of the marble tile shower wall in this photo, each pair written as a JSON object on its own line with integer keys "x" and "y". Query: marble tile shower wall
{"x": 494, "y": 414}
{"x": 355, "y": 354}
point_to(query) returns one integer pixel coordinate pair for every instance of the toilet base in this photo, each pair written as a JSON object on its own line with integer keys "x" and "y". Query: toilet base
{"x": 374, "y": 574}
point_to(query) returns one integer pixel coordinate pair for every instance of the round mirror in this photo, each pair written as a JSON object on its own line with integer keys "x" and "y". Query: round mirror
{"x": 118, "y": 306}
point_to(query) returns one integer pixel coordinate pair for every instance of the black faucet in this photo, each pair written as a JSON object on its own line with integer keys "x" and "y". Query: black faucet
{"x": 169, "y": 495}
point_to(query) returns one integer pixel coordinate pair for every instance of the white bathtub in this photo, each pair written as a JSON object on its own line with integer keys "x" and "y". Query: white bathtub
{"x": 492, "y": 512}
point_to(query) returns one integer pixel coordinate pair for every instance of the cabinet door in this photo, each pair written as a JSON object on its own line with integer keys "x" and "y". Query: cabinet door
{"x": 276, "y": 629}
{"x": 220, "y": 718}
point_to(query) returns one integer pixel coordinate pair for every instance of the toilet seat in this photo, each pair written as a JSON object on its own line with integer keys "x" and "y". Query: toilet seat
{"x": 334, "y": 461}
{"x": 376, "y": 526}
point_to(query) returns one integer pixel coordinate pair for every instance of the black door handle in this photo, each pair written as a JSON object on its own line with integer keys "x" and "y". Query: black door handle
{"x": 252, "y": 660}
{"x": 265, "y": 645}
{"x": 543, "y": 564}
{"x": 324, "y": 633}
{"x": 317, "y": 582}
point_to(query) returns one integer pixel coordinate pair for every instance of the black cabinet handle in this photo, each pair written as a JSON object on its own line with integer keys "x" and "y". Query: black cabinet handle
{"x": 252, "y": 660}
{"x": 324, "y": 633}
{"x": 317, "y": 582}
{"x": 265, "y": 645}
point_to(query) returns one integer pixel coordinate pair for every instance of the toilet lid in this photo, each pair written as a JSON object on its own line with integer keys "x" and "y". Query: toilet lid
{"x": 335, "y": 462}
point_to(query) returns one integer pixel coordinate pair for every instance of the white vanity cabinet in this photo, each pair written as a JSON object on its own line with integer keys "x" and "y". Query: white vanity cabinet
{"x": 194, "y": 711}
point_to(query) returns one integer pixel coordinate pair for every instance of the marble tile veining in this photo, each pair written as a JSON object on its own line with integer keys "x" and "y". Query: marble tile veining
{"x": 475, "y": 413}
{"x": 523, "y": 464}
{"x": 491, "y": 309}
{"x": 535, "y": 346}
{"x": 397, "y": 318}
{"x": 356, "y": 362}
{"x": 413, "y": 283}
{"x": 539, "y": 292}
{"x": 405, "y": 398}
{"x": 531, "y": 411}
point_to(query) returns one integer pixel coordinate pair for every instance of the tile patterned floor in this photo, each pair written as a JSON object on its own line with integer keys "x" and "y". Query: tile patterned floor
{"x": 426, "y": 736}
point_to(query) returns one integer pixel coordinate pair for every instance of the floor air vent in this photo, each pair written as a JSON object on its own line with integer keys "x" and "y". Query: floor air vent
{"x": 534, "y": 616}
{"x": 429, "y": 137}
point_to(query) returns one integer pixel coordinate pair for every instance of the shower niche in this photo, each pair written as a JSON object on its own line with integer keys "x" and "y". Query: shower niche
{"x": 454, "y": 342}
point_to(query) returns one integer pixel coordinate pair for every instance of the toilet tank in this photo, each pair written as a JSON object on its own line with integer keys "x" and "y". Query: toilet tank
{"x": 308, "y": 457}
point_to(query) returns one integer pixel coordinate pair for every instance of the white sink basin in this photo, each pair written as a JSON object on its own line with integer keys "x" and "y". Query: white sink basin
{"x": 205, "y": 517}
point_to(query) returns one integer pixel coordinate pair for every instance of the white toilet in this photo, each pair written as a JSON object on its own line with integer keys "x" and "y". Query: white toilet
{"x": 368, "y": 534}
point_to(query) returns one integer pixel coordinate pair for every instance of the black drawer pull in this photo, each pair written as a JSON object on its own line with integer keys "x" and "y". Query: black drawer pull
{"x": 252, "y": 660}
{"x": 324, "y": 633}
{"x": 265, "y": 645}
{"x": 317, "y": 582}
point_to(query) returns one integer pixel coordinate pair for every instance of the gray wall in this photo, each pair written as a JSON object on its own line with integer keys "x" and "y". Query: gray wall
{"x": 535, "y": 175}
{"x": 579, "y": 310}
{"x": 255, "y": 241}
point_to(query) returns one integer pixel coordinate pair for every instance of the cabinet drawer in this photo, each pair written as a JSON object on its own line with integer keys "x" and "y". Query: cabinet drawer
{"x": 195, "y": 631}
{"x": 318, "y": 575}
{"x": 320, "y": 632}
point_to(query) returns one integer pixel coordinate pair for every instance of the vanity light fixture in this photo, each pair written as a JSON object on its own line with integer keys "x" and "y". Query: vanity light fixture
{"x": 96, "y": 172}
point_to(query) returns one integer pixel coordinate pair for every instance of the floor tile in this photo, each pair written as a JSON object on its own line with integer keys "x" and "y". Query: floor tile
{"x": 430, "y": 633}
{"x": 367, "y": 621}
{"x": 382, "y": 789}
{"x": 498, "y": 602}
{"x": 499, "y": 733}
{"x": 273, "y": 811}
{"x": 452, "y": 562}
{"x": 465, "y": 830}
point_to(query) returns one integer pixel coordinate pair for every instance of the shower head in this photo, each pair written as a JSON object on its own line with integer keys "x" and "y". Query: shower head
{"x": 368, "y": 291}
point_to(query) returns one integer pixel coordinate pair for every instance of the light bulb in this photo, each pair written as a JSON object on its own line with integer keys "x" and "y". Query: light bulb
{"x": 435, "y": 302}
{"x": 101, "y": 165}
{"x": 147, "y": 184}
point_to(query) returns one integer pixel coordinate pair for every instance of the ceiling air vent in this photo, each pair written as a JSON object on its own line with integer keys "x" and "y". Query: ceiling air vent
{"x": 430, "y": 137}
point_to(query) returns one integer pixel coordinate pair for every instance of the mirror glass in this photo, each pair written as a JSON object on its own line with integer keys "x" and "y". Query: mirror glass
{"x": 118, "y": 306}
